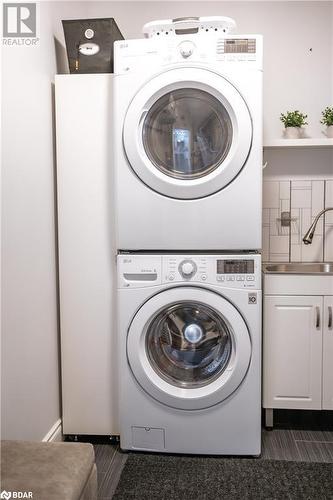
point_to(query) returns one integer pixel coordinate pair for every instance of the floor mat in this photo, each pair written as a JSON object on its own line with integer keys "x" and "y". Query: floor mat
{"x": 162, "y": 477}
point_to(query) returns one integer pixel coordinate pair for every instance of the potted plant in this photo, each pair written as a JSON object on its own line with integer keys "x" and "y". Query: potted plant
{"x": 293, "y": 122}
{"x": 327, "y": 120}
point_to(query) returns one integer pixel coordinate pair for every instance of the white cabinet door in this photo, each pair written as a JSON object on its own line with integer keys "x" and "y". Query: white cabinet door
{"x": 328, "y": 354}
{"x": 292, "y": 352}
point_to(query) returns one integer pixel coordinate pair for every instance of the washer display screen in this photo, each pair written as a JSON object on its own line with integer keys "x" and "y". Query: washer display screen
{"x": 235, "y": 266}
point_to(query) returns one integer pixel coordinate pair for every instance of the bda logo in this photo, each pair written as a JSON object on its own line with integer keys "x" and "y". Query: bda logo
{"x": 19, "y": 20}
{"x": 5, "y": 494}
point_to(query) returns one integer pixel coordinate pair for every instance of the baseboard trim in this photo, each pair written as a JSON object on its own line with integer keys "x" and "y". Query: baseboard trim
{"x": 55, "y": 433}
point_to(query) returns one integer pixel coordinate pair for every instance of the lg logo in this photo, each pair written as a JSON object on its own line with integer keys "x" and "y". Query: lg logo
{"x": 19, "y": 20}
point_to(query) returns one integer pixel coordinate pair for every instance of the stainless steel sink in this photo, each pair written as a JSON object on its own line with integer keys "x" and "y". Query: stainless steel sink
{"x": 300, "y": 268}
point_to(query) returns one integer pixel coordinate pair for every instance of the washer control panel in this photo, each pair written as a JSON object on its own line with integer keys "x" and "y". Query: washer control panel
{"x": 240, "y": 271}
{"x": 235, "y": 271}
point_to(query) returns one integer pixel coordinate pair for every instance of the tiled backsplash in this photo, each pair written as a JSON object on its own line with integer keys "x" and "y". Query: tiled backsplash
{"x": 302, "y": 200}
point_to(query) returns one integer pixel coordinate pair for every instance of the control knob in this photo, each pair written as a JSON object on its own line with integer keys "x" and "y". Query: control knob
{"x": 186, "y": 49}
{"x": 187, "y": 268}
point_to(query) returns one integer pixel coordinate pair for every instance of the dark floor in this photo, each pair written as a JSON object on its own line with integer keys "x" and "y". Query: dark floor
{"x": 278, "y": 444}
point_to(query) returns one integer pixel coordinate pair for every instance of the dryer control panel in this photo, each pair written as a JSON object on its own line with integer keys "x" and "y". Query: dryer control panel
{"x": 241, "y": 271}
{"x": 222, "y": 52}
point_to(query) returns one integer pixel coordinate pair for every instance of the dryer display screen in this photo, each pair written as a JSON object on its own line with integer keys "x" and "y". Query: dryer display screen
{"x": 238, "y": 46}
{"x": 235, "y": 266}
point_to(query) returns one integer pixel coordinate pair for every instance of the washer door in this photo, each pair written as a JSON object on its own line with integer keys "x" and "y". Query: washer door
{"x": 189, "y": 348}
{"x": 187, "y": 133}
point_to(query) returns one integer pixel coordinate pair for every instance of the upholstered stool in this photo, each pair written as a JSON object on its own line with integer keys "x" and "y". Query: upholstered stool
{"x": 50, "y": 471}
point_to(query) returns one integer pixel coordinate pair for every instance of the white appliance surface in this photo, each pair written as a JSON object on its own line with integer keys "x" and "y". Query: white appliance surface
{"x": 188, "y": 142}
{"x": 189, "y": 336}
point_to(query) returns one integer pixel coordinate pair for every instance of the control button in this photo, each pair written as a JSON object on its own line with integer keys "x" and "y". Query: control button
{"x": 240, "y": 278}
{"x": 89, "y": 33}
{"x": 250, "y": 278}
{"x": 186, "y": 49}
{"x": 230, "y": 278}
{"x": 187, "y": 268}
{"x": 220, "y": 278}
{"x": 203, "y": 277}
{"x": 171, "y": 277}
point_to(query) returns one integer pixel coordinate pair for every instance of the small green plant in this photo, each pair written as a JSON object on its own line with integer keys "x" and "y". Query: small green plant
{"x": 293, "y": 119}
{"x": 327, "y": 116}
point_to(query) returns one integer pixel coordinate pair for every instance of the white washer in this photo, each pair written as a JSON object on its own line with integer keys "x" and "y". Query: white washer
{"x": 189, "y": 335}
{"x": 188, "y": 142}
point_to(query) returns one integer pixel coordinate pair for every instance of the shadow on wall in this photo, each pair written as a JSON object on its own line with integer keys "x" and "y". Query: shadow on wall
{"x": 61, "y": 58}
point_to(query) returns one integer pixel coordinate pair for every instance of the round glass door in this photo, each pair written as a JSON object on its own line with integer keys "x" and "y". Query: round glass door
{"x": 188, "y": 348}
{"x": 187, "y": 133}
{"x": 188, "y": 344}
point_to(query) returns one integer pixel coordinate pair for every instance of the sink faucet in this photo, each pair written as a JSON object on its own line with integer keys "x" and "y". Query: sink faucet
{"x": 307, "y": 239}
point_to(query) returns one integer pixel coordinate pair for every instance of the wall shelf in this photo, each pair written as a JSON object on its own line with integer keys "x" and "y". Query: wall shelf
{"x": 299, "y": 143}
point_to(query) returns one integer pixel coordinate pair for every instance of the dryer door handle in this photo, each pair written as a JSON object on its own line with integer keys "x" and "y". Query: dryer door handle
{"x": 185, "y": 25}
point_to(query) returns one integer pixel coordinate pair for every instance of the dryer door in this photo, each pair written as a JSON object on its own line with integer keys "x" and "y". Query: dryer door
{"x": 189, "y": 348}
{"x": 187, "y": 133}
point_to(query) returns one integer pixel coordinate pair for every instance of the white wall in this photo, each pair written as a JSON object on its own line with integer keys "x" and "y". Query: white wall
{"x": 294, "y": 77}
{"x": 30, "y": 387}
{"x": 30, "y": 342}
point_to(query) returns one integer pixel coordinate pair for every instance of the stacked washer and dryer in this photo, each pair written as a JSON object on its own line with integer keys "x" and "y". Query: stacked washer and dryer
{"x": 188, "y": 166}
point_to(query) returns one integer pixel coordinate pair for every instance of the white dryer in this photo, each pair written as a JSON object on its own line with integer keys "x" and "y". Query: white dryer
{"x": 189, "y": 335}
{"x": 188, "y": 142}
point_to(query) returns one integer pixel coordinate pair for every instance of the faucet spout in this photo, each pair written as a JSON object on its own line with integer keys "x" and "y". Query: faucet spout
{"x": 308, "y": 237}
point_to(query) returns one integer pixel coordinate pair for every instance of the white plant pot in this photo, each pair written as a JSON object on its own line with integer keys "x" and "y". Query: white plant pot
{"x": 292, "y": 132}
{"x": 329, "y": 131}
